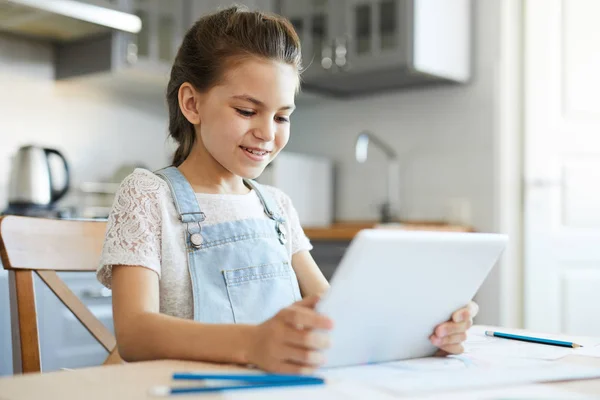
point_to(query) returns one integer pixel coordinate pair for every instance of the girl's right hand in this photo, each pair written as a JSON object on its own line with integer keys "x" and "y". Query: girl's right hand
{"x": 291, "y": 341}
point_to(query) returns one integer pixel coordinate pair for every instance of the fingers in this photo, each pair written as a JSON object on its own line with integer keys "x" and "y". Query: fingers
{"x": 473, "y": 308}
{"x": 303, "y": 357}
{"x": 308, "y": 301}
{"x": 300, "y": 353}
{"x": 311, "y": 340}
{"x": 443, "y": 342}
{"x": 453, "y": 349}
{"x": 450, "y": 328}
{"x": 467, "y": 312}
{"x": 291, "y": 341}
{"x": 305, "y": 318}
{"x": 291, "y": 368}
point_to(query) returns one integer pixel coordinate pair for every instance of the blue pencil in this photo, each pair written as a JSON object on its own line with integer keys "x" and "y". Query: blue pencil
{"x": 249, "y": 378}
{"x": 532, "y": 339}
{"x": 167, "y": 391}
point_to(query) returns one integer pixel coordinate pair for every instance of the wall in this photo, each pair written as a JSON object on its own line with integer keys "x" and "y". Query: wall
{"x": 445, "y": 137}
{"x": 96, "y": 130}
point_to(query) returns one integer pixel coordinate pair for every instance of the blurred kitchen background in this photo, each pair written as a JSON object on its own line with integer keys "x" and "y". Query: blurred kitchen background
{"x": 473, "y": 115}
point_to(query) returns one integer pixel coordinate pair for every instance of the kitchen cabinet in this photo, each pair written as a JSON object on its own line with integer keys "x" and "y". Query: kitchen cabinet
{"x": 163, "y": 28}
{"x": 140, "y": 62}
{"x": 128, "y": 61}
{"x": 353, "y": 47}
{"x": 64, "y": 342}
{"x": 114, "y": 4}
{"x": 318, "y": 24}
{"x": 6, "y": 367}
{"x": 199, "y": 8}
{"x": 328, "y": 254}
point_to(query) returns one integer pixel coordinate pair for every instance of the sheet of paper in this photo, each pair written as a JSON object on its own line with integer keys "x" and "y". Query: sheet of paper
{"x": 480, "y": 344}
{"x": 457, "y": 373}
{"x": 517, "y": 392}
{"x": 351, "y": 391}
{"x": 485, "y": 370}
{"x": 582, "y": 340}
{"x": 590, "y": 351}
{"x": 345, "y": 389}
{"x": 426, "y": 378}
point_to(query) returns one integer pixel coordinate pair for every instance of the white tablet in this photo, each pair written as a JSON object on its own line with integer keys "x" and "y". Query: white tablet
{"x": 393, "y": 287}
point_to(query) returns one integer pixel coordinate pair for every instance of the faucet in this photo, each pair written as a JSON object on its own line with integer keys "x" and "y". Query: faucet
{"x": 388, "y": 208}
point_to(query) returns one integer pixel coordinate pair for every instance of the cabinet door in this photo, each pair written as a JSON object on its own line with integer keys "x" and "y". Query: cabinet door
{"x": 318, "y": 23}
{"x": 377, "y": 34}
{"x": 328, "y": 254}
{"x": 6, "y": 367}
{"x": 162, "y": 29}
{"x": 114, "y": 4}
{"x": 64, "y": 342}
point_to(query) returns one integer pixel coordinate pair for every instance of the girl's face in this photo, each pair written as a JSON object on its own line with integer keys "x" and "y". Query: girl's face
{"x": 245, "y": 121}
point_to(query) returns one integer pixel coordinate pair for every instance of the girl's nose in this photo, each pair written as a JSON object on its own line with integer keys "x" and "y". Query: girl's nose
{"x": 266, "y": 132}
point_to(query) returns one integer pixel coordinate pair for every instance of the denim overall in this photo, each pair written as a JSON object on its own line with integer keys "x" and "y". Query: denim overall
{"x": 240, "y": 270}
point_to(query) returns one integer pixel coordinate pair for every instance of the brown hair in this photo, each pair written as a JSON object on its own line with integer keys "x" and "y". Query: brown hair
{"x": 212, "y": 44}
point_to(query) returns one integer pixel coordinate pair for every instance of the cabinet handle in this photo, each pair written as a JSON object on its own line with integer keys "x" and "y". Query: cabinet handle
{"x": 326, "y": 57}
{"x": 132, "y": 53}
{"x": 341, "y": 52}
{"x": 96, "y": 293}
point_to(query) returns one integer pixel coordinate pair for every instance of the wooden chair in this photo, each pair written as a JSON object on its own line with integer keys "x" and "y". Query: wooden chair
{"x": 44, "y": 246}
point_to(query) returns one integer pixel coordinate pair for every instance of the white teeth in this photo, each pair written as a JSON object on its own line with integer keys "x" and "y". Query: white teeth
{"x": 258, "y": 153}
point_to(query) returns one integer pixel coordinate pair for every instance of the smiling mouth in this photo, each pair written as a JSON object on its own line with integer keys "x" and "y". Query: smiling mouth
{"x": 255, "y": 151}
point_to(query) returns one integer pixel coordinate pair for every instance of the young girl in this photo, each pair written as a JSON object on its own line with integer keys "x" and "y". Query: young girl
{"x": 204, "y": 263}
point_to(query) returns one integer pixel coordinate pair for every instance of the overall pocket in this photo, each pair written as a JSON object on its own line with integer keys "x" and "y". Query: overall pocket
{"x": 258, "y": 293}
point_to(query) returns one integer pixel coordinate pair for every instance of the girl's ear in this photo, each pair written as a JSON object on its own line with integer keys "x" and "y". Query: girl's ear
{"x": 189, "y": 99}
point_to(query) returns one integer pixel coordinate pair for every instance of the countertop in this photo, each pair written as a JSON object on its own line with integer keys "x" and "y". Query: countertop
{"x": 347, "y": 230}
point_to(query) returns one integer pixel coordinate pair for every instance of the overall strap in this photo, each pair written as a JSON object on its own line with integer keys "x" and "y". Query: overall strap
{"x": 270, "y": 208}
{"x": 185, "y": 199}
{"x": 267, "y": 201}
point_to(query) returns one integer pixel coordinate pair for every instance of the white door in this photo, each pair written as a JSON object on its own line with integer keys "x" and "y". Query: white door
{"x": 562, "y": 166}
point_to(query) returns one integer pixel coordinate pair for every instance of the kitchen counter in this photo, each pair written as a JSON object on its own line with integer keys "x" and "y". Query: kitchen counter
{"x": 347, "y": 230}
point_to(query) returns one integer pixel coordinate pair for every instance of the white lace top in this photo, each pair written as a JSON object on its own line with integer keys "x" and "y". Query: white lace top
{"x": 144, "y": 229}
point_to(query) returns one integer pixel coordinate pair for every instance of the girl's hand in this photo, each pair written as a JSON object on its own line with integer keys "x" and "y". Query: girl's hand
{"x": 450, "y": 335}
{"x": 289, "y": 342}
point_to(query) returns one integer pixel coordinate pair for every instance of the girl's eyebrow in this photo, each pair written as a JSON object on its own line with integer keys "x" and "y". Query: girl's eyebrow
{"x": 260, "y": 103}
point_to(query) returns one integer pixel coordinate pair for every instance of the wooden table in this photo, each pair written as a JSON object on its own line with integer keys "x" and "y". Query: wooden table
{"x": 132, "y": 381}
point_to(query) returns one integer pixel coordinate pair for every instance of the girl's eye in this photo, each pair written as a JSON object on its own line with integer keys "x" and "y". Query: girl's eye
{"x": 283, "y": 119}
{"x": 245, "y": 113}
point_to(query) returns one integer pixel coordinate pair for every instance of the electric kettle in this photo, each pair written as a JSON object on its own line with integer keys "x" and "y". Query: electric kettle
{"x": 31, "y": 180}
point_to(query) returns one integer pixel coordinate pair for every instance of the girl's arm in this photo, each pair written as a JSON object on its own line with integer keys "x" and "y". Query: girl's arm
{"x": 290, "y": 342}
{"x": 310, "y": 277}
{"x": 145, "y": 334}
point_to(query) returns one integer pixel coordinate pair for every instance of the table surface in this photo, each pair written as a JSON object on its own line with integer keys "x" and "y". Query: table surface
{"x": 132, "y": 381}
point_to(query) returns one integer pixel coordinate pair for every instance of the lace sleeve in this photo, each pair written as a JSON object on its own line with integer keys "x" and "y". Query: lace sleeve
{"x": 133, "y": 234}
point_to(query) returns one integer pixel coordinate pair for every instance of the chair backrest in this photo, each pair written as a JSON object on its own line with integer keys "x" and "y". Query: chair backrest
{"x": 44, "y": 246}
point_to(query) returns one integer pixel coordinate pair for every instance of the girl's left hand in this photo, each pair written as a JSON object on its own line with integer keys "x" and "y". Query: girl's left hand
{"x": 450, "y": 335}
